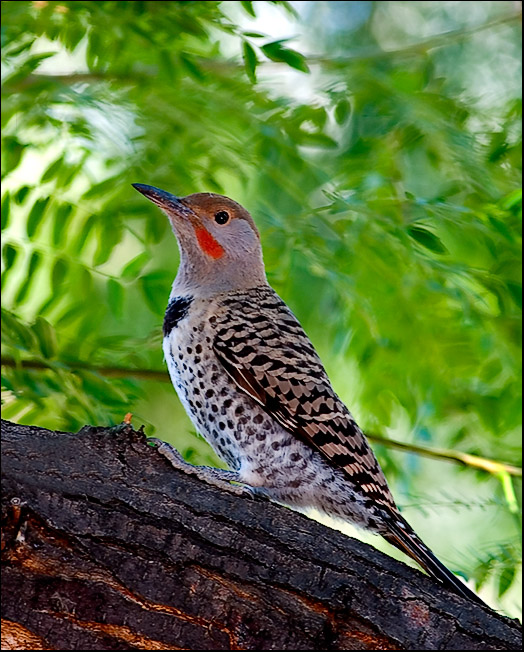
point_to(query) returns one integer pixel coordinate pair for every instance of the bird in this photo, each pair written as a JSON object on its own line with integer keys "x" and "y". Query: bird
{"x": 254, "y": 387}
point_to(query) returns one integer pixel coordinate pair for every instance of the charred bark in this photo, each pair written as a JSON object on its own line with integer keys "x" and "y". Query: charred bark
{"x": 106, "y": 547}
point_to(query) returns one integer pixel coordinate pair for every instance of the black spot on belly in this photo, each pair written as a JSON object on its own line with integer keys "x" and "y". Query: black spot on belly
{"x": 176, "y": 311}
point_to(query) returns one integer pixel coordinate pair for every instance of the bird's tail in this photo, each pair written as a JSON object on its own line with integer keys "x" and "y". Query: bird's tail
{"x": 403, "y": 537}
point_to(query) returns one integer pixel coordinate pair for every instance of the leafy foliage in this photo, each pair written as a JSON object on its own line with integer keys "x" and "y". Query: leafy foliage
{"x": 385, "y": 179}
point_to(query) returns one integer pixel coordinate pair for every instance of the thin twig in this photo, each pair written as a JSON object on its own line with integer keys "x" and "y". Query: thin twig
{"x": 109, "y": 372}
{"x": 465, "y": 459}
{"x": 438, "y": 40}
{"x": 481, "y": 463}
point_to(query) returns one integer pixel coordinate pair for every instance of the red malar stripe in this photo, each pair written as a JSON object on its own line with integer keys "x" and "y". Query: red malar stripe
{"x": 208, "y": 244}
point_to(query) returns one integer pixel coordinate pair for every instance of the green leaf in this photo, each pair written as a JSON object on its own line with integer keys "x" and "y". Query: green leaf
{"x": 5, "y": 210}
{"x": 76, "y": 311}
{"x": 12, "y": 150}
{"x": 101, "y": 389}
{"x": 315, "y": 140}
{"x": 254, "y": 35}
{"x": 191, "y": 66}
{"x": 135, "y": 266}
{"x": 35, "y": 216}
{"x": 22, "y": 194}
{"x": 9, "y": 255}
{"x": 110, "y": 234}
{"x": 248, "y": 6}
{"x": 515, "y": 290}
{"x": 63, "y": 215}
{"x": 166, "y": 65}
{"x": 85, "y": 282}
{"x": 103, "y": 188}
{"x": 156, "y": 228}
{"x": 513, "y": 199}
{"x": 95, "y": 48}
{"x": 342, "y": 111}
{"x": 84, "y": 234}
{"x": 46, "y": 337}
{"x": 250, "y": 61}
{"x": 60, "y": 269}
{"x": 506, "y": 579}
{"x": 277, "y": 52}
{"x": 53, "y": 170}
{"x": 34, "y": 264}
{"x": 115, "y": 297}
{"x": 23, "y": 336}
{"x": 155, "y": 288}
{"x": 287, "y": 6}
{"x": 427, "y": 239}
{"x": 18, "y": 49}
{"x": 29, "y": 66}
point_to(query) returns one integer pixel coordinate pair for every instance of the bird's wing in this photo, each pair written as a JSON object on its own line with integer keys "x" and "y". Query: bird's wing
{"x": 264, "y": 349}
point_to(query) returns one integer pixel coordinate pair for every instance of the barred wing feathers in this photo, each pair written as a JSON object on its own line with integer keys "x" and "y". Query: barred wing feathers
{"x": 263, "y": 347}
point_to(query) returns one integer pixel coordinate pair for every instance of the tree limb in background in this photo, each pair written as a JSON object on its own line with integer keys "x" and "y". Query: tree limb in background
{"x": 465, "y": 459}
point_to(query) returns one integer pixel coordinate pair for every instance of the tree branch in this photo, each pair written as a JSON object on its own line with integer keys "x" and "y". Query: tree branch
{"x": 465, "y": 459}
{"x": 474, "y": 461}
{"x": 226, "y": 66}
{"x": 438, "y": 40}
{"x": 105, "y": 546}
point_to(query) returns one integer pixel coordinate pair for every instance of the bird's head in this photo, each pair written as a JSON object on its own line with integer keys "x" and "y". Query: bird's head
{"x": 219, "y": 243}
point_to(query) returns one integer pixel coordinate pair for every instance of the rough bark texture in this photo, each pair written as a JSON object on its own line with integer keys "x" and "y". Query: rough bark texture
{"x": 106, "y": 547}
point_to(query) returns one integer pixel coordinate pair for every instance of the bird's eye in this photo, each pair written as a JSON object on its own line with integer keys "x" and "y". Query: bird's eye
{"x": 222, "y": 217}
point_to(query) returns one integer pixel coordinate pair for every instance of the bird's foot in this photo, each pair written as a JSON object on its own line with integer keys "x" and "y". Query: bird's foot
{"x": 217, "y": 477}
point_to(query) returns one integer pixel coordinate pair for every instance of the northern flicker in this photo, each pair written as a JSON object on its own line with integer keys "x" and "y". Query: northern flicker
{"x": 255, "y": 388}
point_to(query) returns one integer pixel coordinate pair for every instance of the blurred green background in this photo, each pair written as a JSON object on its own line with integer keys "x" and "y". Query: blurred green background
{"x": 377, "y": 145}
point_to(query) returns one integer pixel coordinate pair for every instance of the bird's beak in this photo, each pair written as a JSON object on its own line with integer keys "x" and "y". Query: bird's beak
{"x": 165, "y": 200}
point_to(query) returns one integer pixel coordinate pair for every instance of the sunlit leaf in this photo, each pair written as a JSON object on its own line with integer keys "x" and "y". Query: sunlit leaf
{"x": 34, "y": 263}
{"x": 250, "y": 61}
{"x": 192, "y": 67}
{"x": 515, "y": 290}
{"x": 427, "y": 239}
{"x": 248, "y": 6}
{"x": 342, "y": 111}
{"x": 156, "y": 228}
{"x": 513, "y": 199}
{"x": 155, "y": 289}
{"x": 53, "y": 170}
{"x": 135, "y": 266}
{"x": 115, "y": 297}
{"x": 36, "y": 216}
{"x": 62, "y": 218}
{"x": 315, "y": 140}
{"x": 46, "y": 337}
{"x": 58, "y": 275}
{"x": 22, "y": 194}
{"x": 277, "y": 52}
{"x": 12, "y": 150}
{"x": 103, "y": 188}
{"x": 9, "y": 256}
{"x": 5, "y": 210}
{"x": 101, "y": 388}
{"x": 85, "y": 233}
{"x": 110, "y": 234}
{"x": 506, "y": 579}
{"x": 22, "y": 334}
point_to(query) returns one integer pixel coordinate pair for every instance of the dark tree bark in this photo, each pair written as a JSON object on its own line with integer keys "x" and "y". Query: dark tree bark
{"x": 106, "y": 547}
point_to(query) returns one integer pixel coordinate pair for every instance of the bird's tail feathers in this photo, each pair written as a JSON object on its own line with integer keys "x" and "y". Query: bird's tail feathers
{"x": 403, "y": 537}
